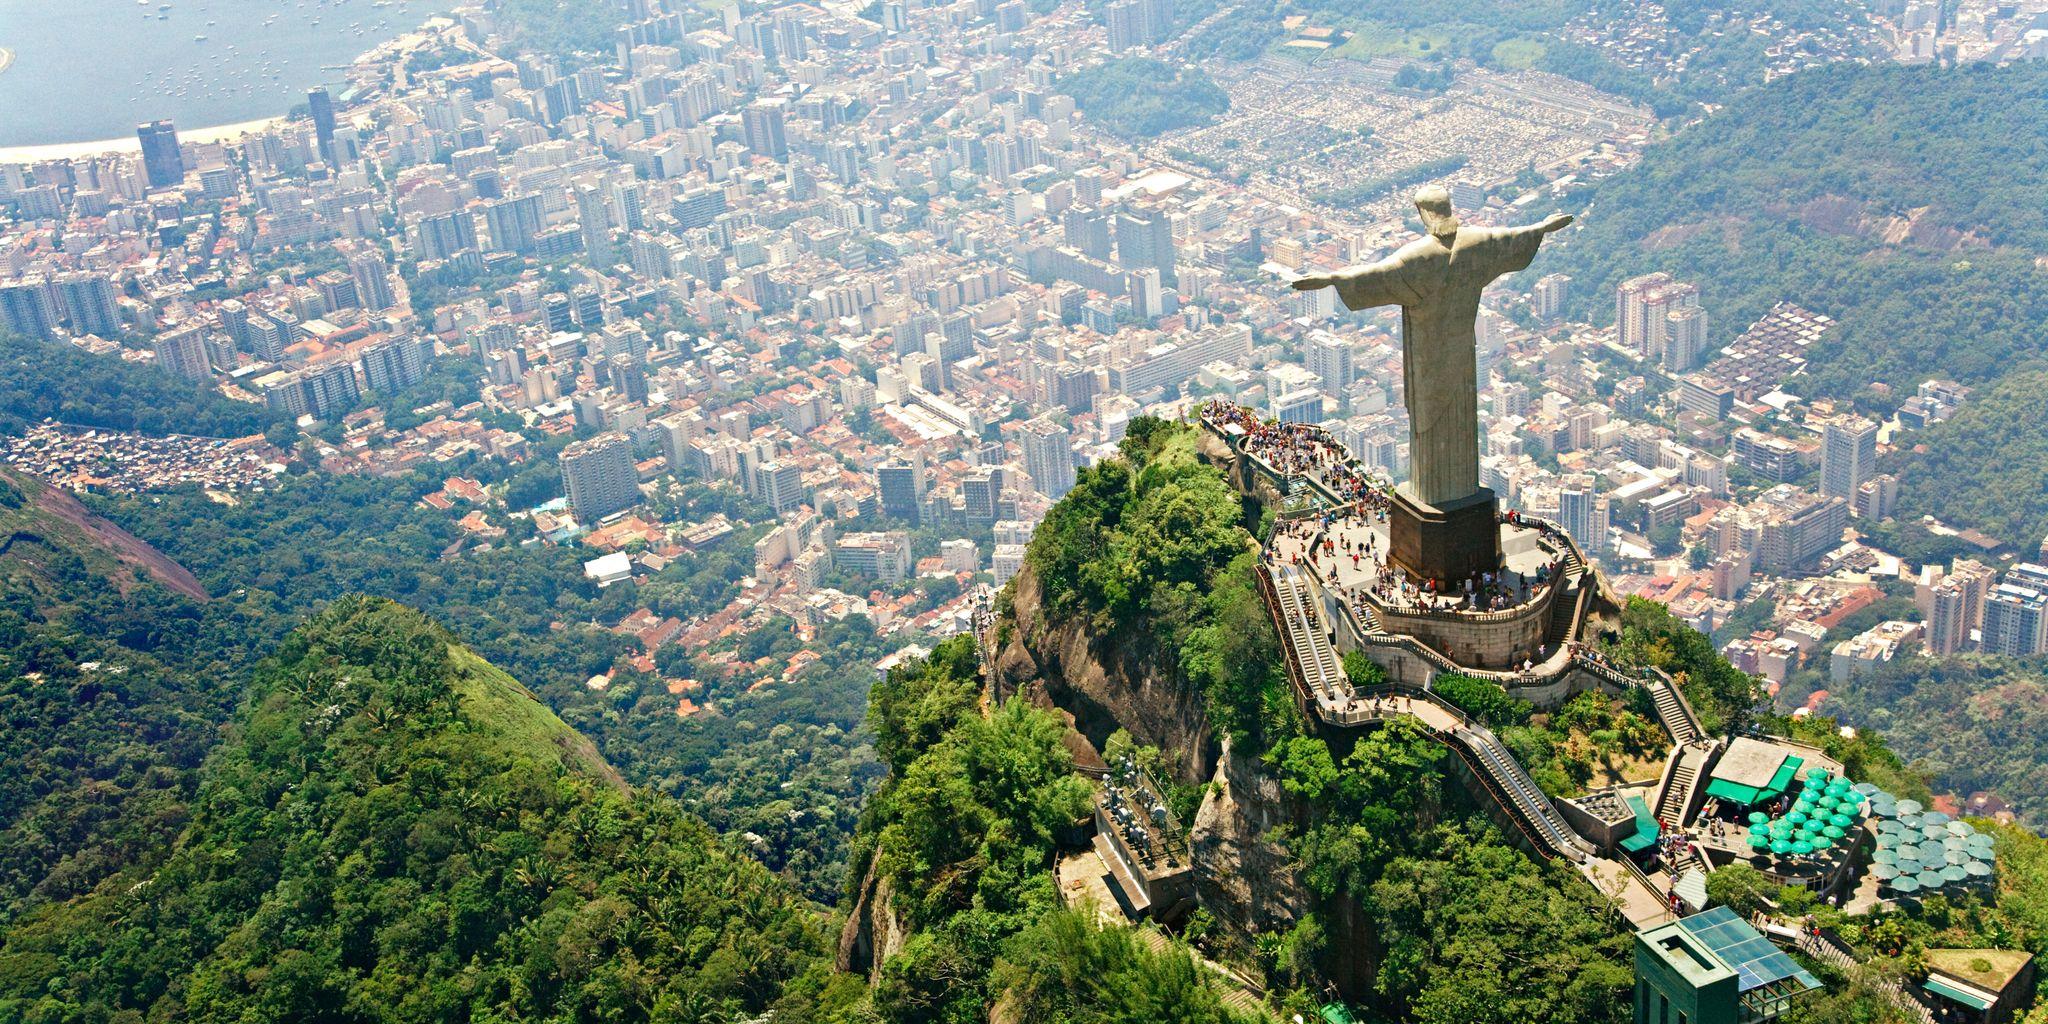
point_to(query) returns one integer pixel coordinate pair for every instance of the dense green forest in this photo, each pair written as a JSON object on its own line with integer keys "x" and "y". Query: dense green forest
{"x": 1969, "y": 722}
{"x": 1988, "y": 466}
{"x": 1789, "y": 195}
{"x": 102, "y": 391}
{"x": 785, "y": 763}
{"x": 1139, "y": 98}
{"x": 1472, "y": 929}
{"x": 1717, "y": 62}
{"x": 561, "y": 28}
{"x": 112, "y": 697}
{"x": 399, "y": 831}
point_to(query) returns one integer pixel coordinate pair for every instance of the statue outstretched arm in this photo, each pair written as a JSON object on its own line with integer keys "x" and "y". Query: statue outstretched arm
{"x": 1508, "y": 250}
{"x": 1363, "y": 287}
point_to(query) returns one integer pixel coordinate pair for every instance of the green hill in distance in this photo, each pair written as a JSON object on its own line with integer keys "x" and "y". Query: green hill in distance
{"x": 1909, "y": 203}
{"x": 395, "y": 830}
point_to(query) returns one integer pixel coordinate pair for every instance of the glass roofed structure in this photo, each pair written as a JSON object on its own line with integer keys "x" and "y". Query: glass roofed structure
{"x": 1713, "y": 968}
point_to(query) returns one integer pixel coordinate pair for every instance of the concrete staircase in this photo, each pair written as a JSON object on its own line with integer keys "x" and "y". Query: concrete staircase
{"x": 1672, "y": 710}
{"x": 1680, "y": 779}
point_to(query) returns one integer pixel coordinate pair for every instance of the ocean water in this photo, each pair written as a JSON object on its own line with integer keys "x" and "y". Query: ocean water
{"x": 86, "y": 70}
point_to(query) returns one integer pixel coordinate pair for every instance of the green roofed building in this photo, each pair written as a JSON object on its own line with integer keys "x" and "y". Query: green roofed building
{"x": 1752, "y": 771}
{"x": 1713, "y": 968}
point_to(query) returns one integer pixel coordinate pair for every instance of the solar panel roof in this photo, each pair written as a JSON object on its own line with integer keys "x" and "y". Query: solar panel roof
{"x": 1756, "y": 962}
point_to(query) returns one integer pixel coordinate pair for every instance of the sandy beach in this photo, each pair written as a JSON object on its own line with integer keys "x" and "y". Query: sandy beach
{"x": 80, "y": 150}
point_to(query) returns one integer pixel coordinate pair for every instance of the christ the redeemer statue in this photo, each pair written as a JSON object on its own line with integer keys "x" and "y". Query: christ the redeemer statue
{"x": 1437, "y": 281}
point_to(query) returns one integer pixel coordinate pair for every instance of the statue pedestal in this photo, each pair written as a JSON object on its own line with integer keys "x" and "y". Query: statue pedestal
{"x": 1448, "y": 542}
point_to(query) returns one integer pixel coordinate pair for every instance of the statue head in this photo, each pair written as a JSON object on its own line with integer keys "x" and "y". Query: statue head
{"x": 1433, "y": 202}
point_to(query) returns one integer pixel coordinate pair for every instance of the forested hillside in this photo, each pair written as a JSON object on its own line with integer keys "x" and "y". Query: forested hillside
{"x": 113, "y": 687}
{"x": 103, "y": 391}
{"x": 1910, "y": 203}
{"x": 784, "y": 763}
{"x": 399, "y": 831}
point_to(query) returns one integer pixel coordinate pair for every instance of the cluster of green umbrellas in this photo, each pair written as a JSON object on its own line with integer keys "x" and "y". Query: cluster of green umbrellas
{"x": 1826, "y": 809}
{"x": 1920, "y": 850}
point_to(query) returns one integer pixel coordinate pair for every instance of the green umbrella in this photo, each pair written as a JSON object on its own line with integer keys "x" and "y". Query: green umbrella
{"x": 1954, "y": 873}
{"x": 1979, "y": 841}
{"x": 1887, "y": 841}
{"x": 1834, "y": 832}
{"x": 1934, "y": 818}
{"x": 1802, "y": 848}
{"x": 1961, "y": 829}
{"x": 1780, "y": 846}
{"x": 1909, "y": 807}
{"x": 1885, "y": 856}
{"x": 1759, "y": 842}
{"x": 1929, "y": 879}
{"x": 1905, "y": 883}
{"x": 1884, "y": 872}
{"x": 1978, "y": 869}
{"x": 1839, "y": 786}
{"x": 1758, "y": 817}
{"x": 1865, "y": 788}
{"x": 1796, "y": 817}
{"x": 1957, "y": 857}
{"x": 1822, "y": 842}
{"x": 1841, "y": 820}
{"x": 1759, "y": 830}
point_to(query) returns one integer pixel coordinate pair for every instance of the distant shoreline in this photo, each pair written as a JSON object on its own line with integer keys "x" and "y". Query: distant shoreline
{"x": 81, "y": 150}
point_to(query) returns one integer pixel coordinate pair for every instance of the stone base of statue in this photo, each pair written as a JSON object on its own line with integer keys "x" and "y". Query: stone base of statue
{"x": 1448, "y": 542}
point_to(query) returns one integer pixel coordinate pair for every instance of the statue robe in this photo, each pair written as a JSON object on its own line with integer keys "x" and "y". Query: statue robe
{"x": 1437, "y": 287}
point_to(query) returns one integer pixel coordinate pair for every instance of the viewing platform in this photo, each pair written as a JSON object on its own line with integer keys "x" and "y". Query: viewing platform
{"x": 1521, "y": 624}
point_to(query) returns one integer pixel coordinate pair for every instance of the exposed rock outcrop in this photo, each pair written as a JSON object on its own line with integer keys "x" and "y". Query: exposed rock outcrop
{"x": 1243, "y": 878}
{"x": 1101, "y": 686}
{"x": 874, "y": 932}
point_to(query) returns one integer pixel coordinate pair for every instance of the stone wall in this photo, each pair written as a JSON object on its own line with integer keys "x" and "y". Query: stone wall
{"x": 1494, "y": 640}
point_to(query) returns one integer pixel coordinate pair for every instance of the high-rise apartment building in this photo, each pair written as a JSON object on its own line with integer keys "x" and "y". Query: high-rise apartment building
{"x": 901, "y": 484}
{"x": 28, "y": 307}
{"x": 372, "y": 274}
{"x": 781, "y": 485}
{"x": 1547, "y": 299}
{"x": 1584, "y": 512}
{"x": 1144, "y": 238}
{"x": 321, "y": 106}
{"x": 162, "y": 161}
{"x": 1048, "y": 455}
{"x": 2015, "y": 621}
{"x": 763, "y": 123}
{"x": 1955, "y": 606}
{"x": 514, "y": 222}
{"x": 1848, "y": 456}
{"x": 88, "y": 302}
{"x": 599, "y": 476}
{"x": 392, "y": 366}
{"x": 1685, "y": 338}
{"x": 182, "y": 352}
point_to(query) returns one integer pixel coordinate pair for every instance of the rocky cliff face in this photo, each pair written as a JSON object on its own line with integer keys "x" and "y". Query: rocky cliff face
{"x": 1243, "y": 878}
{"x": 874, "y": 932}
{"x": 1101, "y": 687}
{"x": 1247, "y": 881}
